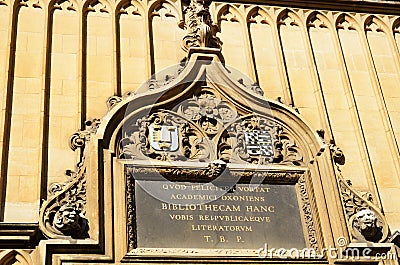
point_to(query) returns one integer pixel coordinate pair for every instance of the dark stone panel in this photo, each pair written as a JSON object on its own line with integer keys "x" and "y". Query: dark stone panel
{"x": 199, "y": 215}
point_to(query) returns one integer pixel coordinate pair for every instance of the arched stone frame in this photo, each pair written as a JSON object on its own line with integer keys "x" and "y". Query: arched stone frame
{"x": 102, "y": 172}
{"x": 186, "y": 94}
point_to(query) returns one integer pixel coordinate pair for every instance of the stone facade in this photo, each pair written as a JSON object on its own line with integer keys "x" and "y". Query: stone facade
{"x": 333, "y": 66}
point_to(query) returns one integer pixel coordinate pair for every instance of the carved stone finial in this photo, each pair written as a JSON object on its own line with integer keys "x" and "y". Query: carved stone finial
{"x": 200, "y": 32}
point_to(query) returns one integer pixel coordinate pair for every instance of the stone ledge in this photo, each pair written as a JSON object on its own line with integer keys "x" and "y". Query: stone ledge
{"x": 19, "y": 235}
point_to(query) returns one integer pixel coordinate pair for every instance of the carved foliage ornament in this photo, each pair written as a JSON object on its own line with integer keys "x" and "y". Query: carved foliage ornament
{"x": 308, "y": 213}
{"x": 79, "y": 139}
{"x": 63, "y": 213}
{"x": 365, "y": 221}
{"x": 207, "y": 128}
{"x": 208, "y": 111}
{"x": 200, "y": 32}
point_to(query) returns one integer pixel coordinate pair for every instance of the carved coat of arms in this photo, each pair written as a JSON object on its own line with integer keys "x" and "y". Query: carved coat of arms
{"x": 259, "y": 142}
{"x": 164, "y": 137}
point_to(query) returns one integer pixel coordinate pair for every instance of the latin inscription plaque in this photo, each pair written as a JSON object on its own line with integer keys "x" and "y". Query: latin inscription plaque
{"x": 196, "y": 215}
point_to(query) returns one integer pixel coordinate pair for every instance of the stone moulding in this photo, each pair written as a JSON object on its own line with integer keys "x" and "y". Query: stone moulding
{"x": 180, "y": 171}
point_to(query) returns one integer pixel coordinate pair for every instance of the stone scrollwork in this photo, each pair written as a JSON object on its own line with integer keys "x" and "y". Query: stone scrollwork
{"x": 258, "y": 140}
{"x": 63, "y": 214}
{"x": 112, "y": 101}
{"x": 79, "y": 139}
{"x": 365, "y": 221}
{"x": 200, "y": 32}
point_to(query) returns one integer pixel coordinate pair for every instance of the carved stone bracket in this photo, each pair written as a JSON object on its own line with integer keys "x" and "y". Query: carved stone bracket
{"x": 365, "y": 221}
{"x": 62, "y": 215}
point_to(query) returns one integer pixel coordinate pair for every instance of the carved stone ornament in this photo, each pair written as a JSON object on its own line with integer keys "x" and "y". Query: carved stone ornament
{"x": 308, "y": 214}
{"x": 112, "y": 101}
{"x": 200, "y": 32}
{"x": 79, "y": 139}
{"x": 207, "y": 128}
{"x": 63, "y": 214}
{"x": 364, "y": 220}
{"x": 208, "y": 111}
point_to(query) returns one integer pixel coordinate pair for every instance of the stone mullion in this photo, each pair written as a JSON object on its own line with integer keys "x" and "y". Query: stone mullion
{"x": 80, "y": 66}
{"x": 7, "y": 102}
{"x": 151, "y": 60}
{"x": 353, "y": 109}
{"x": 287, "y": 93}
{"x": 82, "y": 76}
{"x": 251, "y": 66}
{"x": 395, "y": 50}
{"x": 318, "y": 93}
{"x": 148, "y": 32}
{"x": 381, "y": 102}
{"x": 114, "y": 79}
{"x": 45, "y": 108}
{"x": 396, "y": 57}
